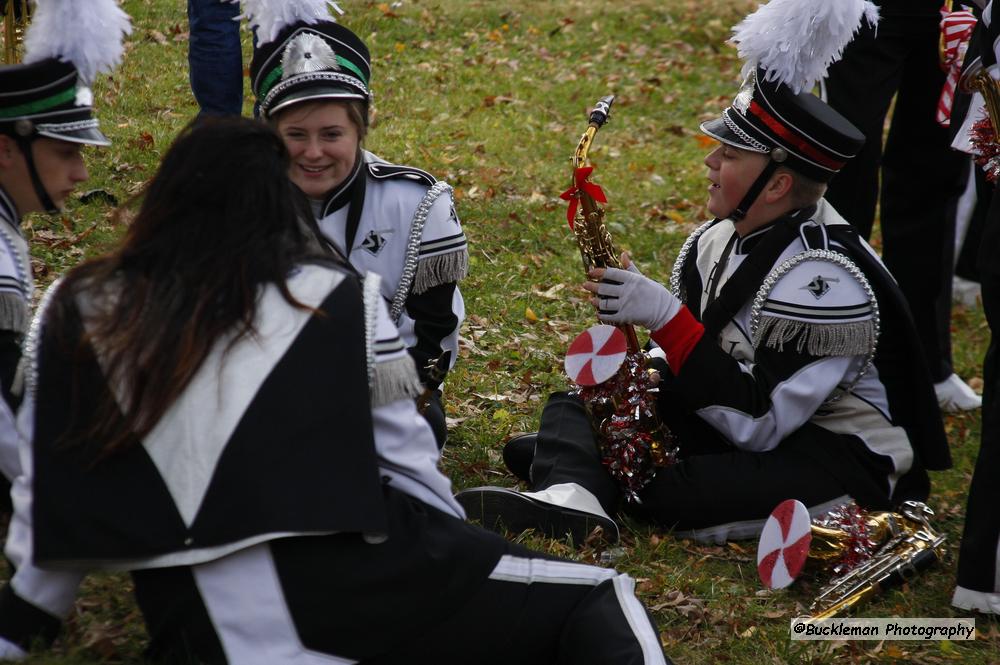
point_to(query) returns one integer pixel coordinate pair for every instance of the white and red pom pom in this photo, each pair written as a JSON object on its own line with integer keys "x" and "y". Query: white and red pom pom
{"x": 784, "y": 544}
{"x": 596, "y": 355}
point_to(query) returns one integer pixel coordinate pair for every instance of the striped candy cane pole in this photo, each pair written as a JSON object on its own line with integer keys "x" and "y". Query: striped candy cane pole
{"x": 956, "y": 29}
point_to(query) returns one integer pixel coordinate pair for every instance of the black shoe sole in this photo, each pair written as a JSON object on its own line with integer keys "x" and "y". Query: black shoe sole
{"x": 498, "y": 509}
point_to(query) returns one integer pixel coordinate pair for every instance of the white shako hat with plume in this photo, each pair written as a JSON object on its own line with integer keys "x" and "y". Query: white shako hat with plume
{"x": 302, "y": 54}
{"x": 67, "y": 43}
{"x": 787, "y": 47}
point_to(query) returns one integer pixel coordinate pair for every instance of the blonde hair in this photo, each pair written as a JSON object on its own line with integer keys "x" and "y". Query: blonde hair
{"x": 357, "y": 113}
{"x": 805, "y": 191}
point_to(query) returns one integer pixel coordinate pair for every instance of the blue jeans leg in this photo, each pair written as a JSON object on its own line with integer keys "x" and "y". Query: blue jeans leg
{"x": 215, "y": 57}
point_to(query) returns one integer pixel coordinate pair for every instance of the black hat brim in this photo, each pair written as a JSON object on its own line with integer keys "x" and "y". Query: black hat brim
{"x": 89, "y": 136}
{"x": 720, "y": 131}
{"x": 308, "y": 93}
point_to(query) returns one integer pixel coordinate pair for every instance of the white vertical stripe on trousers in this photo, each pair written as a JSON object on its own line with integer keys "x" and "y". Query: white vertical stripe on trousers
{"x": 244, "y": 599}
{"x": 543, "y": 571}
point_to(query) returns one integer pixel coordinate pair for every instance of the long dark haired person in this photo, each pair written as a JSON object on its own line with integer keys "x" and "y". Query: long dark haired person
{"x": 229, "y": 416}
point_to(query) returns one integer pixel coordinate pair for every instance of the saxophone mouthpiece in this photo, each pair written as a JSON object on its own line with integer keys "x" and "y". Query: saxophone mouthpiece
{"x": 602, "y": 110}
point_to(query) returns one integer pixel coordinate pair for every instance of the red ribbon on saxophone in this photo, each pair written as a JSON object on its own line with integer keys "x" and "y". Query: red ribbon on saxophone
{"x": 582, "y": 185}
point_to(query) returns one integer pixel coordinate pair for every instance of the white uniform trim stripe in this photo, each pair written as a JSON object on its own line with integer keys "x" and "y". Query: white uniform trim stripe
{"x": 457, "y": 240}
{"x": 251, "y": 619}
{"x": 542, "y": 571}
{"x": 638, "y": 620}
{"x": 7, "y": 209}
{"x": 455, "y": 248}
{"x": 792, "y": 402}
{"x": 862, "y": 311}
{"x": 384, "y": 346}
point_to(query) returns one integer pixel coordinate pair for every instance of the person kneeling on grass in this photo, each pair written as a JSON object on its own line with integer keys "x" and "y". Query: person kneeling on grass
{"x": 794, "y": 369}
{"x": 229, "y": 416}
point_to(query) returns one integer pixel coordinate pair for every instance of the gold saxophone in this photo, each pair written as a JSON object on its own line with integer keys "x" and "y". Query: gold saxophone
{"x": 989, "y": 88}
{"x": 631, "y": 439}
{"x": 15, "y": 20}
{"x": 597, "y": 249}
{"x": 984, "y": 135}
{"x": 902, "y": 545}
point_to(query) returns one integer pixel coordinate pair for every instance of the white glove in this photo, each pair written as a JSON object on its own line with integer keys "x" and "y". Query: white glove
{"x": 627, "y": 296}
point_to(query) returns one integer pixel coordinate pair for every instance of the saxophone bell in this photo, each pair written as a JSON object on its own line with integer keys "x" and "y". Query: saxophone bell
{"x": 867, "y": 552}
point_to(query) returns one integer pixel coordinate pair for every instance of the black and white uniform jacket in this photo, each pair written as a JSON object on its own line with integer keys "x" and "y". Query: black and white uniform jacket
{"x": 16, "y": 289}
{"x": 813, "y": 330}
{"x": 409, "y": 234}
{"x": 306, "y": 428}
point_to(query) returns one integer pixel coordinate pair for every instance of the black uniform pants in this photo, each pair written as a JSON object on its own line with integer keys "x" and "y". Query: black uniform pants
{"x": 436, "y": 590}
{"x": 921, "y": 176}
{"x": 434, "y": 415}
{"x": 980, "y": 548}
{"x": 714, "y": 484}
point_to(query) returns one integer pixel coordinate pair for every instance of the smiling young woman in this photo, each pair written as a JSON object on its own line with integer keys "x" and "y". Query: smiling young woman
{"x": 312, "y": 84}
{"x": 323, "y": 139}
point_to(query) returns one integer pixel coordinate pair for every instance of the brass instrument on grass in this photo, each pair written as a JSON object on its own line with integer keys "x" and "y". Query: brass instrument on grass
{"x": 632, "y": 441}
{"x": 15, "y": 20}
{"x": 904, "y": 544}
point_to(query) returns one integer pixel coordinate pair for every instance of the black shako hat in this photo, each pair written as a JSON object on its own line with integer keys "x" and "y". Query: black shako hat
{"x": 797, "y": 130}
{"x": 309, "y": 61}
{"x": 47, "y": 98}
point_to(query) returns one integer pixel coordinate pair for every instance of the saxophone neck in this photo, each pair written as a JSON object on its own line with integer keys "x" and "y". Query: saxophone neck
{"x": 583, "y": 147}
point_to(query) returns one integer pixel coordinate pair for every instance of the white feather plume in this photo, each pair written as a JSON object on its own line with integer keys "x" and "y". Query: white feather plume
{"x": 87, "y": 33}
{"x": 270, "y": 17}
{"x": 796, "y": 41}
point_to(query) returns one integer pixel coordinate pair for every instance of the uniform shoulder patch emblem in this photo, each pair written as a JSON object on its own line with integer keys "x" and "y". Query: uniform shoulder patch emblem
{"x": 385, "y": 171}
{"x": 373, "y": 243}
{"x": 819, "y": 286}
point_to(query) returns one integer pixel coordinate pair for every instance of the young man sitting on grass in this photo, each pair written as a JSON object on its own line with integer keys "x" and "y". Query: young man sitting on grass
{"x": 794, "y": 369}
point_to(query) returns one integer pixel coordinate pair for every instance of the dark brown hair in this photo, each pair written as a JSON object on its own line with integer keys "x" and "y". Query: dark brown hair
{"x": 219, "y": 220}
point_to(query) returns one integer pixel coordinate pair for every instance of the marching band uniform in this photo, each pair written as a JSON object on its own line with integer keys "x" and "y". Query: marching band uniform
{"x": 901, "y": 60}
{"x": 207, "y": 502}
{"x": 16, "y": 287}
{"x": 46, "y": 97}
{"x": 397, "y": 221}
{"x": 754, "y": 413}
{"x": 425, "y": 301}
{"x": 793, "y": 364}
{"x": 978, "y": 577}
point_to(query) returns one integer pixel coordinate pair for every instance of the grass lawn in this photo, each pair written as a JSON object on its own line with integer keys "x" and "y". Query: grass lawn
{"x": 492, "y": 97}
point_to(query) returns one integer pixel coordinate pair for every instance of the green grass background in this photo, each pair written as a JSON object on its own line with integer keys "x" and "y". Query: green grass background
{"x": 492, "y": 97}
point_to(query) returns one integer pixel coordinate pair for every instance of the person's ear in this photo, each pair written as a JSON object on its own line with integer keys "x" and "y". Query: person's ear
{"x": 779, "y": 187}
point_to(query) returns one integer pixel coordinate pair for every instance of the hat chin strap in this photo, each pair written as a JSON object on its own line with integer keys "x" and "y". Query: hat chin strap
{"x": 24, "y": 143}
{"x": 755, "y": 189}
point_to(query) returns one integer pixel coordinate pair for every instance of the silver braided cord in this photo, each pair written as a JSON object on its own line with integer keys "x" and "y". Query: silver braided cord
{"x": 413, "y": 248}
{"x": 676, "y": 286}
